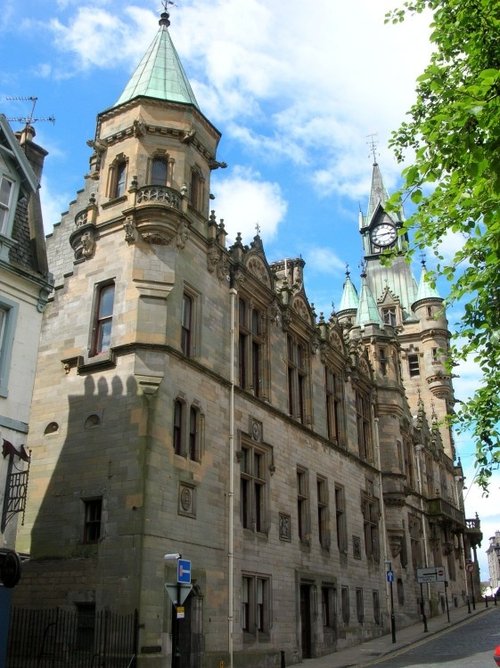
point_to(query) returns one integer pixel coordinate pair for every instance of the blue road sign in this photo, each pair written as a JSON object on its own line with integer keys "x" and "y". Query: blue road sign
{"x": 390, "y": 576}
{"x": 183, "y": 571}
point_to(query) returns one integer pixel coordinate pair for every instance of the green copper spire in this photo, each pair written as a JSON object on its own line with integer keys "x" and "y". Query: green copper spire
{"x": 368, "y": 313}
{"x": 160, "y": 73}
{"x": 425, "y": 289}
{"x": 350, "y": 299}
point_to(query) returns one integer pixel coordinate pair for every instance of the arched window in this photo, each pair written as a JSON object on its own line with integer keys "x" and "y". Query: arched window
{"x": 118, "y": 177}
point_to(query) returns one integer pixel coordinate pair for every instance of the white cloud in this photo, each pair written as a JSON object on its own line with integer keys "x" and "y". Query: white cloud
{"x": 244, "y": 201}
{"x": 324, "y": 260}
{"x": 53, "y": 202}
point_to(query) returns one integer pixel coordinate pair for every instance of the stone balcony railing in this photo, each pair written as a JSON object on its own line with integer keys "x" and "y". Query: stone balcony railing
{"x": 445, "y": 511}
{"x": 158, "y": 195}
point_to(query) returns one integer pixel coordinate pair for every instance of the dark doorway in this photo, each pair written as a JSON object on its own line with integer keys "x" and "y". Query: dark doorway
{"x": 305, "y": 620}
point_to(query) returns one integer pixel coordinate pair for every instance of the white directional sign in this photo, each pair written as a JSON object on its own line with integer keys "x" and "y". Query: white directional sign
{"x": 174, "y": 589}
{"x": 432, "y": 574}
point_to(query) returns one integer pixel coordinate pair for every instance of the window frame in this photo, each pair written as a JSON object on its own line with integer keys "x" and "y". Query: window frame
{"x": 371, "y": 526}
{"x": 413, "y": 365}
{"x": 345, "y": 604}
{"x": 364, "y": 424}
{"x": 256, "y": 604}
{"x": 303, "y": 505}
{"x": 335, "y": 405}
{"x": 254, "y": 487}
{"x": 323, "y": 511}
{"x": 8, "y": 208}
{"x": 99, "y": 321}
{"x": 341, "y": 519}
{"x": 329, "y": 606}
{"x": 298, "y": 374}
{"x": 8, "y": 323}
{"x": 117, "y": 177}
{"x": 252, "y": 349}
{"x": 390, "y": 315}
{"x": 92, "y": 520}
{"x": 360, "y": 605}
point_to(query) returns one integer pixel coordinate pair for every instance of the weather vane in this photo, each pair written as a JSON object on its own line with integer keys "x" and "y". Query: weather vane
{"x": 372, "y": 143}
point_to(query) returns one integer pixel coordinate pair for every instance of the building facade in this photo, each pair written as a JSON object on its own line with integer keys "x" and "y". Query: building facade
{"x": 25, "y": 284}
{"x": 188, "y": 401}
{"x": 493, "y": 553}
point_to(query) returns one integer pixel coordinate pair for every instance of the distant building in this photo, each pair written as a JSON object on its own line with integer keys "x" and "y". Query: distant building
{"x": 189, "y": 401}
{"x": 25, "y": 284}
{"x": 493, "y": 553}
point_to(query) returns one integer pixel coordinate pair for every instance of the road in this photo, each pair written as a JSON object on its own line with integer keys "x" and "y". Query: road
{"x": 468, "y": 645}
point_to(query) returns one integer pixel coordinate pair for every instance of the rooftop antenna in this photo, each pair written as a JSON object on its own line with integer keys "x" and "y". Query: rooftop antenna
{"x": 29, "y": 120}
{"x": 372, "y": 143}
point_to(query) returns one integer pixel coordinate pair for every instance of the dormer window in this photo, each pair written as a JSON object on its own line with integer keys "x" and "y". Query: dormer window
{"x": 6, "y": 197}
{"x": 389, "y": 315}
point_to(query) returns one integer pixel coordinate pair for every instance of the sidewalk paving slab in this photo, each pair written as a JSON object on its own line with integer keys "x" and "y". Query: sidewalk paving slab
{"x": 372, "y": 651}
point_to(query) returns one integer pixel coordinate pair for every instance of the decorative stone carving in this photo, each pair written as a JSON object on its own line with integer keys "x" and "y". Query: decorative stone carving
{"x": 83, "y": 242}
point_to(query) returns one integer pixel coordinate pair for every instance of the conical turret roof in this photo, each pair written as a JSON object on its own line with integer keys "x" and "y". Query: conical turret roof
{"x": 368, "y": 313}
{"x": 425, "y": 289}
{"x": 160, "y": 73}
{"x": 349, "y": 300}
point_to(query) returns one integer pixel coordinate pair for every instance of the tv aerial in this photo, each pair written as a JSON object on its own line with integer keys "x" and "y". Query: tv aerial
{"x": 30, "y": 119}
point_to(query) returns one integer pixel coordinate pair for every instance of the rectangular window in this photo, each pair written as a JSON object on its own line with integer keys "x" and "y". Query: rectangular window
{"x": 413, "y": 365}
{"x": 194, "y": 434}
{"x": 360, "y": 606}
{"x": 346, "y": 612}
{"x": 187, "y": 325}
{"x": 92, "y": 521}
{"x": 255, "y": 603}
{"x": 340, "y": 516}
{"x": 85, "y": 625}
{"x": 334, "y": 406}
{"x": 103, "y": 318}
{"x": 8, "y": 320}
{"x": 302, "y": 504}
{"x": 322, "y": 499}
{"x": 6, "y": 193}
{"x": 384, "y": 363}
{"x": 364, "y": 426}
{"x": 250, "y": 347}
{"x": 252, "y": 488}
{"x": 370, "y": 508}
{"x": 329, "y": 606}
{"x": 376, "y": 607}
{"x": 389, "y": 315}
{"x": 178, "y": 430}
{"x": 297, "y": 378}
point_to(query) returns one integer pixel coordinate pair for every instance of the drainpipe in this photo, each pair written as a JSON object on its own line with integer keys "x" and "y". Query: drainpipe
{"x": 230, "y": 560}
{"x": 375, "y": 421}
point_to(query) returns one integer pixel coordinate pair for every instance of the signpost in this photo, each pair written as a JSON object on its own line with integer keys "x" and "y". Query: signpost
{"x": 178, "y": 593}
{"x": 428, "y": 576}
{"x": 390, "y": 580}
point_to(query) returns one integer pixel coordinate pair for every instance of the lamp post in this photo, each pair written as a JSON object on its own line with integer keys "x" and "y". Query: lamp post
{"x": 175, "y": 556}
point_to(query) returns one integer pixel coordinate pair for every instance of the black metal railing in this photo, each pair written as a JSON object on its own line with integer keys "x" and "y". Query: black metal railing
{"x": 54, "y": 637}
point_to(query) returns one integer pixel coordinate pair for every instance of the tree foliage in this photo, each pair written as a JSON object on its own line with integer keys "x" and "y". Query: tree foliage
{"x": 454, "y": 182}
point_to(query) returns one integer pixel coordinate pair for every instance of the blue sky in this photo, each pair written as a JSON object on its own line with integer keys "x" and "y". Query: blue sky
{"x": 295, "y": 89}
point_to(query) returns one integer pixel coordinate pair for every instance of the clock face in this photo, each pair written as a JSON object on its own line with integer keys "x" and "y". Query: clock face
{"x": 384, "y": 235}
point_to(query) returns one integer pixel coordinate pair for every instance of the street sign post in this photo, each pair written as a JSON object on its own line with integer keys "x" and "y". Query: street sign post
{"x": 432, "y": 574}
{"x": 183, "y": 571}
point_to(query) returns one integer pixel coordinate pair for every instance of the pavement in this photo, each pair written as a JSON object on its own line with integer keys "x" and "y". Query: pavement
{"x": 372, "y": 651}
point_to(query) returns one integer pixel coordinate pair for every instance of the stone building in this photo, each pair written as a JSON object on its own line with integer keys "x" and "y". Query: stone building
{"x": 189, "y": 401}
{"x": 24, "y": 288}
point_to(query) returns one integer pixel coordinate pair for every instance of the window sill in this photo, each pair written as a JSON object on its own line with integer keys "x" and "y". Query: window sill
{"x": 114, "y": 200}
{"x": 100, "y": 361}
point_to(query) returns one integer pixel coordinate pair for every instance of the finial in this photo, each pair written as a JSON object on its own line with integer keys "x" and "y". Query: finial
{"x": 257, "y": 228}
{"x": 372, "y": 143}
{"x": 347, "y": 272}
{"x": 165, "y": 16}
{"x": 362, "y": 266}
{"x": 422, "y": 261}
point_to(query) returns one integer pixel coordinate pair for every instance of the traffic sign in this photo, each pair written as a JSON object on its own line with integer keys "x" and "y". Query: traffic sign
{"x": 432, "y": 574}
{"x": 390, "y": 576}
{"x": 184, "y": 571}
{"x": 178, "y": 591}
